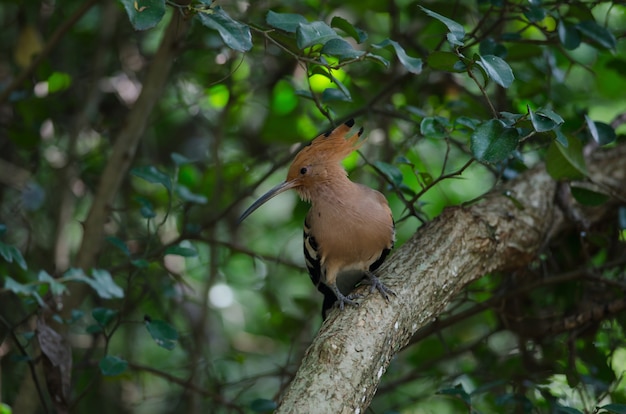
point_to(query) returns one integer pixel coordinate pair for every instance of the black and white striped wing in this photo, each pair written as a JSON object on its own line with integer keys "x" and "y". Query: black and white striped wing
{"x": 314, "y": 266}
{"x": 313, "y": 263}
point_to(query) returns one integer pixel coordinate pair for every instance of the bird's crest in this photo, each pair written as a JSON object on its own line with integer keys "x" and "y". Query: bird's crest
{"x": 332, "y": 146}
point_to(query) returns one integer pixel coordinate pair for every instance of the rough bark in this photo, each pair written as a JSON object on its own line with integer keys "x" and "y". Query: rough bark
{"x": 341, "y": 369}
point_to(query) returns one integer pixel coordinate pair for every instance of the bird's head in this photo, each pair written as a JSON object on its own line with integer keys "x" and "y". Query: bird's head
{"x": 315, "y": 164}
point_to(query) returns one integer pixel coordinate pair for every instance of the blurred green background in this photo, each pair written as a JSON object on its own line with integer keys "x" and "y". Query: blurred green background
{"x": 205, "y": 315}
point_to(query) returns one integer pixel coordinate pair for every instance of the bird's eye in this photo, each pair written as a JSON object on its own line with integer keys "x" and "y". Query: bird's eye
{"x": 303, "y": 170}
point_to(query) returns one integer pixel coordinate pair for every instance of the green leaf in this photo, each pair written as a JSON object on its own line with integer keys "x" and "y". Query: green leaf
{"x": 340, "y": 85}
{"x": 111, "y": 366}
{"x": 320, "y": 70}
{"x": 378, "y": 59}
{"x": 545, "y": 120}
{"x": 598, "y": 34}
{"x": 12, "y": 254}
{"x": 234, "y": 34}
{"x": 434, "y": 127}
{"x": 457, "y": 391}
{"x": 58, "y": 81}
{"x": 179, "y": 250}
{"x": 566, "y": 162}
{"x": 401, "y": 159}
{"x": 186, "y": 195}
{"x": 76, "y": 315}
{"x": 341, "y": 49}
{"x": 119, "y": 243}
{"x": 3, "y": 229}
{"x": 588, "y": 197}
{"x": 333, "y": 94}
{"x": 426, "y": 178}
{"x": 600, "y": 132}
{"x": 392, "y": 172}
{"x": 568, "y": 35}
{"x": 286, "y": 22}
{"x": 535, "y": 14}
{"x": 357, "y": 34}
{"x": 164, "y": 334}
{"x": 151, "y": 174}
{"x": 146, "y": 210}
{"x": 446, "y": 61}
{"x": 497, "y": 69}
{"x": 140, "y": 263}
{"x": 106, "y": 286}
{"x": 457, "y": 32}
{"x": 566, "y": 410}
{"x": 56, "y": 288}
{"x": 561, "y": 138}
{"x": 493, "y": 142}
{"x": 550, "y": 114}
{"x": 179, "y": 159}
{"x": 103, "y": 315}
{"x": 490, "y": 47}
{"x": 470, "y": 123}
{"x": 413, "y": 65}
{"x": 16, "y": 287}
{"x": 74, "y": 274}
{"x": 314, "y": 33}
{"x": 102, "y": 283}
{"x": 18, "y": 258}
{"x": 510, "y": 119}
{"x": 262, "y": 405}
{"x": 304, "y": 93}
{"x": 614, "y": 408}
{"x": 144, "y": 14}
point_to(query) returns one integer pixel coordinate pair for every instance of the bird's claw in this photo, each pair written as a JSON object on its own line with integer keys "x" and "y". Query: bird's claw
{"x": 343, "y": 300}
{"x": 373, "y": 281}
{"x": 376, "y": 284}
{"x": 353, "y": 296}
{"x": 348, "y": 300}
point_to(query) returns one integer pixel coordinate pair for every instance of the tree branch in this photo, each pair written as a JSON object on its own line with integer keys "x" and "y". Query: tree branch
{"x": 119, "y": 162}
{"x": 343, "y": 366}
{"x": 127, "y": 141}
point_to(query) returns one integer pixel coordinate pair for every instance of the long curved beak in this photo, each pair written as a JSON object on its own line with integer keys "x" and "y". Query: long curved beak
{"x": 282, "y": 187}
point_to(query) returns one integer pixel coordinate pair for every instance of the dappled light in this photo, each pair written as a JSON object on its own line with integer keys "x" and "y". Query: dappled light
{"x": 485, "y": 137}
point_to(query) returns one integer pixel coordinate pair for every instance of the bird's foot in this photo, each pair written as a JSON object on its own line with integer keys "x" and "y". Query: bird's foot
{"x": 376, "y": 284}
{"x": 353, "y": 296}
{"x": 343, "y": 300}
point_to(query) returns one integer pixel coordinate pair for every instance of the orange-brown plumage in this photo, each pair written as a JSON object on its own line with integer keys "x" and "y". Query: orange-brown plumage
{"x": 349, "y": 229}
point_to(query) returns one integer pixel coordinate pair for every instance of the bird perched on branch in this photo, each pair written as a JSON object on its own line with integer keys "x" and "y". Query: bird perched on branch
{"x": 349, "y": 230}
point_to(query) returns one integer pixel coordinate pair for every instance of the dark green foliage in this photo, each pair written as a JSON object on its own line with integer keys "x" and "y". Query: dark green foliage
{"x": 455, "y": 97}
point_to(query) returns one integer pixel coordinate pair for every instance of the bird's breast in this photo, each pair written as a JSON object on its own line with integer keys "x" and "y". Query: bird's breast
{"x": 351, "y": 235}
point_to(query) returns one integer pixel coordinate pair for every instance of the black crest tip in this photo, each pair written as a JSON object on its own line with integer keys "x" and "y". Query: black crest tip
{"x": 350, "y": 122}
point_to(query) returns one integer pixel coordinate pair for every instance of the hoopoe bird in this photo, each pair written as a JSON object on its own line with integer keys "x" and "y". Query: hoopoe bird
{"x": 349, "y": 230}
